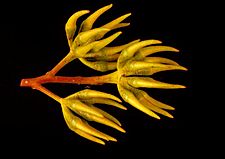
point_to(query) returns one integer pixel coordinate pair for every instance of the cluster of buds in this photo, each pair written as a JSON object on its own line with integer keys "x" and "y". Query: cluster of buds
{"x": 82, "y": 103}
{"x": 89, "y": 47}
{"x": 131, "y": 64}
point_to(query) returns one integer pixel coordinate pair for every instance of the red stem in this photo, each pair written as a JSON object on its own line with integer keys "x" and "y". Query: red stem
{"x": 95, "y": 80}
{"x": 35, "y": 83}
{"x": 69, "y": 57}
{"x": 49, "y": 93}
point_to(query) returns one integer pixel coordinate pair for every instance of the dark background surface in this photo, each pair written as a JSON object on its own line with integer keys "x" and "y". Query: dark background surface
{"x": 35, "y": 41}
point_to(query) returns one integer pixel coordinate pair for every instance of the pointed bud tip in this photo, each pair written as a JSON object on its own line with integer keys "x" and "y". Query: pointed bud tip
{"x": 169, "y": 115}
{"x": 157, "y": 117}
{"x": 118, "y": 100}
{"x": 185, "y": 69}
{"x": 112, "y": 139}
{"x": 126, "y": 15}
{"x": 101, "y": 142}
{"x": 153, "y": 41}
{"x": 179, "y": 67}
{"x": 122, "y": 130}
{"x": 124, "y": 108}
{"x": 158, "y": 41}
{"x": 83, "y": 12}
{"x": 181, "y": 86}
{"x": 110, "y": 5}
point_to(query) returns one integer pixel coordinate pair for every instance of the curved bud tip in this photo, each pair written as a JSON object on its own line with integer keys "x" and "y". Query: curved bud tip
{"x": 110, "y": 5}
{"x": 70, "y": 26}
{"x": 112, "y": 139}
{"x": 128, "y": 14}
{"x": 120, "y": 25}
{"x": 169, "y": 115}
{"x": 88, "y": 93}
{"x": 116, "y": 21}
{"x": 88, "y": 23}
{"x": 122, "y": 130}
{"x": 181, "y": 86}
{"x": 88, "y": 136}
{"x": 101, "y": 44}
{"x": 184, "y": 68}
{"x": 155, "y": 41}
{"x": 133, "y": 48}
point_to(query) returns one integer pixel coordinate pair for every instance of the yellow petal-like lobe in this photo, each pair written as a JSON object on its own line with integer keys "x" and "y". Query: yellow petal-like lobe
{"x": 105, "y": 101}
{"x": 147, "y": 68}
{"x": 88, "y": 23}
{"x": 154, "y": 49}
{"x": 93, "y": 118}
{"x": 156, "y": 109}
{"x": 102, "y": 43}
{"x": 151, "y": 106}
{"x": 88, "y": 93}
{"x": 116, "y": 49}
{"x": 111, "y": 25}
{"x": 160, "y": 60}
{"x": 155, "y": 102}
{"x": 134, "y": 48}
{"x": 103, "y": 120}
{"x": 68, "y": 116}
{"x": 115, "y": 22}
{"x": 111, "y": 138}
{"x": 161, "y": 67}
{"x": 88, "y": 136}
{"x": 130, "y": 98}
{"x": 150, "y": 83}
{"x": 107, "y": 122}
{"x": 120, "y": 25}
{"x": 108, "y": 116}
{"x": 84, "y": 126}
{"x": 70, "y": 26}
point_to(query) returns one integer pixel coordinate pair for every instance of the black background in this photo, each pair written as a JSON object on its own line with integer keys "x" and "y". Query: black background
{"x": 34, "y": 41}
